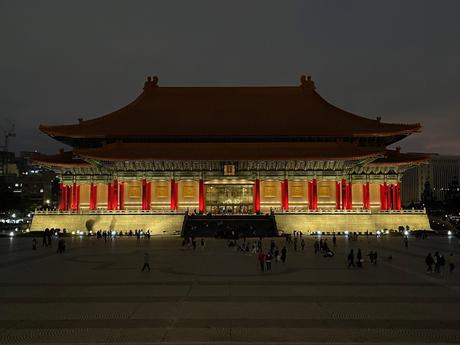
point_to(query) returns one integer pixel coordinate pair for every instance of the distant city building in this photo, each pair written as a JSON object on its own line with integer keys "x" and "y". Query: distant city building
{"x": 36, "y": 186}
{"x": 440, "y": 176}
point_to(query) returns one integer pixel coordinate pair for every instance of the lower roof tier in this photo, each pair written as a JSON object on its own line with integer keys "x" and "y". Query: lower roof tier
{"x": 225, "y": 152}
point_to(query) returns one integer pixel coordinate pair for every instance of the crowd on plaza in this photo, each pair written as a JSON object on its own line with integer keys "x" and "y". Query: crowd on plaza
{"x": 436, "y": 263}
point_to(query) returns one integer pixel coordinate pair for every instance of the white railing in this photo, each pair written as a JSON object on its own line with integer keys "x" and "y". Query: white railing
{"x": 105, "y": 211}
{"x": 352, "y": 211}
{"x": 294, "y": 210}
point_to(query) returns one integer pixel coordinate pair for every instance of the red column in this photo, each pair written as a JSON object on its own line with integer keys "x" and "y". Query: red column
{"x": 398, "y": 196}
{"x": 201, "y": 197}
{"x": 68, "y": 195}
{"x": 314, "y": 185}
{"x": 344, "y": 194}
{"x": 282, "y": 194}
{"x": 337, "y": 195}
{"x": 77, "y": 194}
{"x": 256, "y": 196}
{"x": 366, "y": 196}
{"x": 143, "y": 194}
{"x": 121, "y": 202}
{"x": 388, "y": 196}
{"x": 349, "y": 196}
{"x": 115, "y": 194}
{"x": 173, "y": 195}
{"x": 285, "y": 202}
{"x": 93, "y": 196}
{"x": 149, "y": 195}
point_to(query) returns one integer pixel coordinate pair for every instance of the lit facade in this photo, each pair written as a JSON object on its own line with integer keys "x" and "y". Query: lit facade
{"x": 231, "y": 150}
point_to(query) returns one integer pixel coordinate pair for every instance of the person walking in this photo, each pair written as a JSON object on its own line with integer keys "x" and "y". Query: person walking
{"x": 283, "y": 254}
{"x": 268, "y": 261}
{"x": 371, "y": 256}
{"x": 261, "y": 259}
{"x": 203, "y": 244}
{"x": 334, "y": 240}
{"x": 34, "y": 244}
{"x": 302, "y": 244}
{"x": 359, "y": 259}
{"x": 406, "y": 242}
{"x": 146, "y": 262}
{"x": 351, "y": 259}
{"x": 429, "y": 263}
{"x": 375, "y": 258}
{"x": 450, "y": 262}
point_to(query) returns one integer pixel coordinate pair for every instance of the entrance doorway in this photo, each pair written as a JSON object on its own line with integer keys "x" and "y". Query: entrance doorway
{"x": 229, "y": 198}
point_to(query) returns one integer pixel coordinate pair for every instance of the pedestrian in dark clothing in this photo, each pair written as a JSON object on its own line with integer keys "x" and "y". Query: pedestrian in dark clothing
{"x": 406, "y": 242}
{"x": 268, "y": 261}
{"x": 302, "y": 244}
{"x": 146, "y": 262}
{"x": 34, "y": 244}
{"x": 261, "y": 259}
{"x": 375, "y": 258}
{"x": 429, "y": 263}
{"x": 283, "y": 254}
{"x": 450, "y": 262}
{"x": 371, "y": 256}
{"x": 334, "y": 240}
{"x": 351, "y": 259}
{"x": 359, "y": 259}
{"x": 437, "y": 263}
{"x": 45, "y": 238}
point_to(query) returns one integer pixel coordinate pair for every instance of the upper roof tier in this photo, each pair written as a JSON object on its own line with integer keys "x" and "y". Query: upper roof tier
{"x": 229, "y": 112}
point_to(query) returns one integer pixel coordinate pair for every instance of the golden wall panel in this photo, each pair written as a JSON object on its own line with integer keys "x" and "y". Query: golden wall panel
{"x": 298, "y": 192}
{"x": 84, "y": 195}
{"x": 101, "y": 195}
{"x": 188, "y": 193}
{"x": 374, "y": 193}
{"x": 326, "y": 193}
{"x": 357, "y": 194}
{"x": 270, "y": 193}
{"x": 161, "y": 192}
{"x": 133, "y": 194}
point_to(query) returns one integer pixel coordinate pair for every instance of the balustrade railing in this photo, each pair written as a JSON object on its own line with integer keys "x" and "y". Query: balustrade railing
{"x": 292, "y": 210}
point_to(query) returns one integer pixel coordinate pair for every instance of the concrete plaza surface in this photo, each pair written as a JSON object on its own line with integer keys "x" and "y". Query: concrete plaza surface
{"x": 96, "y": 293}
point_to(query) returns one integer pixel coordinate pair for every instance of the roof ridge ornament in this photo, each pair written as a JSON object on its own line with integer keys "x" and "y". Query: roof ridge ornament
{"x": 307, "y": 83}
{"x": 151, "y": 83}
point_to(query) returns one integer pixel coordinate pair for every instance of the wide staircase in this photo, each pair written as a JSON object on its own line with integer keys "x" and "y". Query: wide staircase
{"x": 229, "y": 226}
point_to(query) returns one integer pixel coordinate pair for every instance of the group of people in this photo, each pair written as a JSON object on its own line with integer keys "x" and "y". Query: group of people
{"x": 439, "y": 262}
{"x": 190, "y": 242}
{"x": 273, "y": 254}
{"x": 107, "y": 234}
{"x": 359, "y": 258}
{"x": 321, "y": 247}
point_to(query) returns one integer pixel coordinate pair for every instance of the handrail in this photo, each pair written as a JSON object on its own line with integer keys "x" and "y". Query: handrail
{"x": 166, "y": 211}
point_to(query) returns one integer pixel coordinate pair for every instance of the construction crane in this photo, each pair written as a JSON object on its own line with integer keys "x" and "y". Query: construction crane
{"x": 7, "y": 134}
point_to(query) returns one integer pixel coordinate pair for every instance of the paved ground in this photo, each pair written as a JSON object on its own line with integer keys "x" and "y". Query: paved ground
{"x": 95, "y": 293}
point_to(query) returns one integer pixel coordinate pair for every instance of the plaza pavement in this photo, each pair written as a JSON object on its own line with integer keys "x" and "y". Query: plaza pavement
{"x": 95, "y": 293}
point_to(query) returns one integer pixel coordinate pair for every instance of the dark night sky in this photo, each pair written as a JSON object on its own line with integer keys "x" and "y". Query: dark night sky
{"x": 61, "y": 60}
